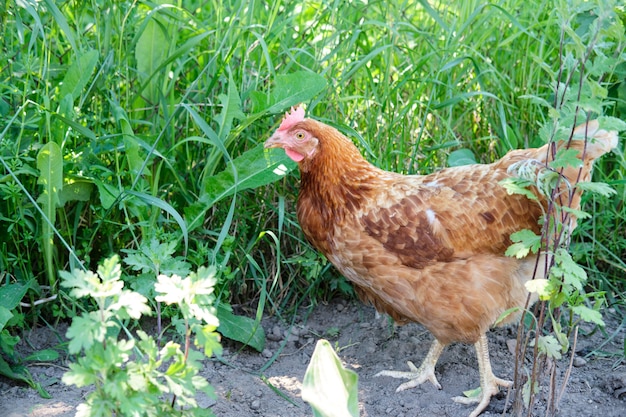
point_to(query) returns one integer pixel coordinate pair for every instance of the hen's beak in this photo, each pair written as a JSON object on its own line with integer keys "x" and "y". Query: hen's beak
{"x": 273, "y": 142}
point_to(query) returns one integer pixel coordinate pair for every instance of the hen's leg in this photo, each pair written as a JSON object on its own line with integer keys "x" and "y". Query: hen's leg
{"x": 426, "y": 371}
{"x": 488, "y": 381}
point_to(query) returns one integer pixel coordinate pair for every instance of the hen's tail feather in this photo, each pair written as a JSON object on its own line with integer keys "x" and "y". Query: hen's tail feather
{"x": 588, "y": 139}
{"x": 599, "y": 142}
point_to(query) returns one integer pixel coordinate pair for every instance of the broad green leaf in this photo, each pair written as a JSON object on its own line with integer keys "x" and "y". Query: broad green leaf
{"x": 289, "y": 90}
{"x": 65, "y": 111}
{"x": 5, "y": 316}
{"x": 85, "y": 131}
{"x": 473, "y": 393}
{"x": 77, "y": 190}
{"x": 461, "y": 157}
{"x": 131, "y": 145}
{"x": 329, "y": 388}
{"x": 108, "y": 193}
{"x": 255, "y": 168}
{"x": 11, "y": 295}
{"x": 50, "y": 166}
{"x": 21, "y": 373}
{"x": 505, "y": 315}
{"x": 240, "y": 328}
{"x": 45, "y": 355}
{"x": 78, "y": 75}
{"x": 168, "y": 208}
{"x": 61, "y": 21}
{"x": 150, "y": 51}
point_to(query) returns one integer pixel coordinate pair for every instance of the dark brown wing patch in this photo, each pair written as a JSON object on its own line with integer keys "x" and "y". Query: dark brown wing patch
{"x": 404, "y": 230}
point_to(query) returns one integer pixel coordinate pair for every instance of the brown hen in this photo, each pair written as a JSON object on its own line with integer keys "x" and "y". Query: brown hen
{"x": 424, "y": 248}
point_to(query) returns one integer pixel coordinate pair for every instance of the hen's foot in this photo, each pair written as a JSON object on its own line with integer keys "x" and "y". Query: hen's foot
{"x": 489, "y": 383}
{"x": 483, "y": 397}
{"x": 417, "y": 376}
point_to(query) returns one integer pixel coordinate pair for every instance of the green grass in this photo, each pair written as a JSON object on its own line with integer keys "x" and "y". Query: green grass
{"x": 120, "y": 90}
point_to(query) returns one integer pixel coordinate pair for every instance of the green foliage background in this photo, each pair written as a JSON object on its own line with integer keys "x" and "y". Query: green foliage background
{"x": 127, "y": 121}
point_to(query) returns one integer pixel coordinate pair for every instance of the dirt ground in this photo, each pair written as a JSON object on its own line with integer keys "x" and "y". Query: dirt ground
{"x": 247, "y": 383}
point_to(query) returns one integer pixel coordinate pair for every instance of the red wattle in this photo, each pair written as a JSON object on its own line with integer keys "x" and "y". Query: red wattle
{"x": 294, "y": 155}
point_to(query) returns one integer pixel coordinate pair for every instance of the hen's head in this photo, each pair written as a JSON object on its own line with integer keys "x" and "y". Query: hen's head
{"x": 295, "y": 136}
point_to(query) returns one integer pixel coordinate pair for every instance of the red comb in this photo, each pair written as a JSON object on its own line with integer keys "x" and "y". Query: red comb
{"x": 296, "y": 115}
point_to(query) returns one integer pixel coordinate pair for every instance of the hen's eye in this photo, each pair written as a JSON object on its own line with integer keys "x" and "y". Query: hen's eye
{"x": 299, "y": 135}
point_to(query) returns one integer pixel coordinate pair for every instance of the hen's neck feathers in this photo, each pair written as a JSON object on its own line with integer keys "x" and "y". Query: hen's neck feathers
{"x": 337, "y": 174}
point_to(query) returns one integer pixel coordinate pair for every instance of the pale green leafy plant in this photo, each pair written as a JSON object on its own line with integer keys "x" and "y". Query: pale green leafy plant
{"x": 330, "y": 389}
{"x": 135, "y": 376}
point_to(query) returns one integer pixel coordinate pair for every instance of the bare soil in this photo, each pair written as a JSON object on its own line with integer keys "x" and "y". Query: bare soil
{"x": 249, "y": 383}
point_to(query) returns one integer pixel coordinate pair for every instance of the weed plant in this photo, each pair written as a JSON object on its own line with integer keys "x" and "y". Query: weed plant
{"x": 137, "y": 376}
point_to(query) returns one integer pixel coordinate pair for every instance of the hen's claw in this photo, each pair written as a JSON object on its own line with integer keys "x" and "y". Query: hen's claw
{"x": 417, "y": 376}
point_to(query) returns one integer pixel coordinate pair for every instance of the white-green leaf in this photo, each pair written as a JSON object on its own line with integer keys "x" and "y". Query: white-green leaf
{"x": 612, "y": 123}
{"x": 566, "y": 157}
{"x": 550, "y": 346}
{"x": 518, "y": 186}
{"x": 524, "y": 242}
{"x": 329, "y": 388}
{"x": 589, "y": 315}
{"x": 540, "y": 286}
{"x": 600, "y": 188}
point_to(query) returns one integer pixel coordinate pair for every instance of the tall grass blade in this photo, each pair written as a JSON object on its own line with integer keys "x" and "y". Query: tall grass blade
{"x": 60, "y": 20}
